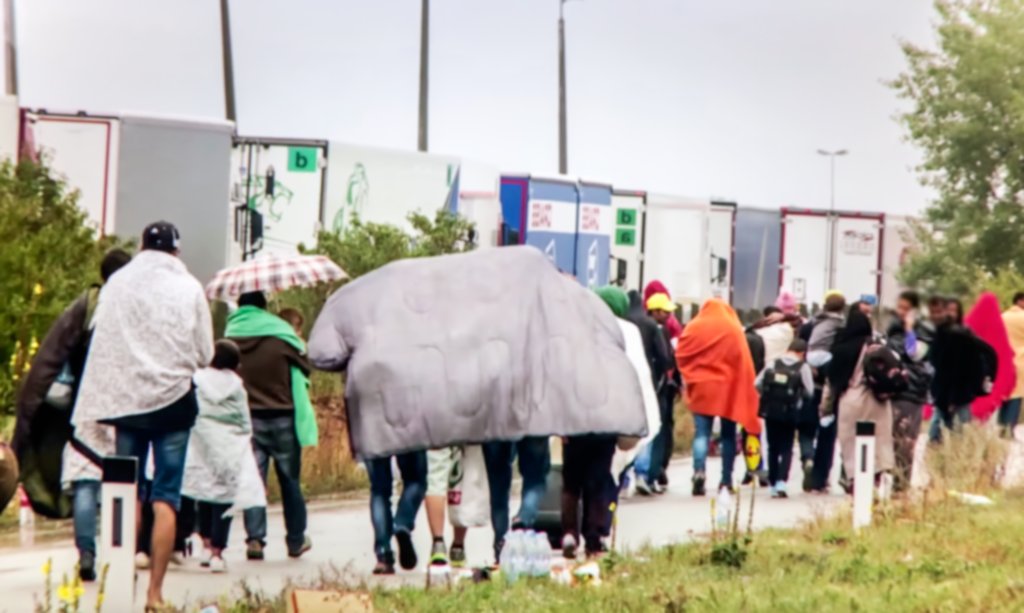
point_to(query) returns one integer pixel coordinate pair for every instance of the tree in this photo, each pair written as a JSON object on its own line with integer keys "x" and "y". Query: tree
{"x": 48, "y": 254}
{"x": 446, "y": 233}
{"x": 967, "y": 117}
{"x": 365, "y": 246}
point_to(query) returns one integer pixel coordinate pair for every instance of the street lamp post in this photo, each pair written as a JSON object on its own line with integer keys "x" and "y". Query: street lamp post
{"x": 563, "y": 127}
{"x": 424, "y": 118}
{"x": 830, "y": 263}
{"x": 563, "y": 155}
{"x": 10, "y": 50}
{"x": 832, "y": 155}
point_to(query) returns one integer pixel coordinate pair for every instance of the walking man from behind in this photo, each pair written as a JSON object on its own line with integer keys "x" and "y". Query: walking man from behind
{"x": 275, "y": 372}
{"x": 152, "y": 332}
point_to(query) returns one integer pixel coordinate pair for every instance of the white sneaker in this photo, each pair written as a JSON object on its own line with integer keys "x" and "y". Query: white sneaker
{"x": 207, "y": 556}
{"x": 569, "y": 547}
{"x": 141, "y": 561}
{"x": 177, "y": 559}
{"x": 218, "y": 565}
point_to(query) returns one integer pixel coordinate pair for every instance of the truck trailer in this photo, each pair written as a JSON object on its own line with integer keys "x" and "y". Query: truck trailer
{"x": 823, "y": 250}
{"x": 132, "y": 170}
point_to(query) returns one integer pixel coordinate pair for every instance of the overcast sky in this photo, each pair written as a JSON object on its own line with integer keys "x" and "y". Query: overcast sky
{"x": 703, "y": 98}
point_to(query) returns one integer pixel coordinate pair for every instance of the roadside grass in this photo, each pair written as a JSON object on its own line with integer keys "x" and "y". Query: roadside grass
{"x": 928, "y": 552}
{"x": 941, "y": 556}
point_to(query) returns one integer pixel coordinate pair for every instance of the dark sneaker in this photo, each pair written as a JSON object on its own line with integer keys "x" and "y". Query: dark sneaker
{"x": 808, "y": 483}
{"x": 87, "y": 567}
{"x": 254, "y": 551}
{"x": 385, "y": 566}
{"x": 663, "y": 479}
{"x": 406, "y": 551}
{"x": 305, "y": 547}
{"x": 698, "y": 484}
{"x": 438, "y": 554}
{"x": 748, "y": 478}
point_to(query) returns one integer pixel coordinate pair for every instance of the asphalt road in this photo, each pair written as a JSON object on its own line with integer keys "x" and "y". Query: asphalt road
{"x": 343, "y": 542}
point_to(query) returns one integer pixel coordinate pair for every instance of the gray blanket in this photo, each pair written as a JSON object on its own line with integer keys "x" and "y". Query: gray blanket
{"x": 490, "y": 345}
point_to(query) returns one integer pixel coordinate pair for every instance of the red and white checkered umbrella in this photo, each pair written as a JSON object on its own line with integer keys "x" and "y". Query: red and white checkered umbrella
{"x": 273, "y": 273}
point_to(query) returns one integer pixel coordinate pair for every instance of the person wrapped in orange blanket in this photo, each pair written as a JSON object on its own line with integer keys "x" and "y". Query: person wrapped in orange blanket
{"x": 718, "y": 376}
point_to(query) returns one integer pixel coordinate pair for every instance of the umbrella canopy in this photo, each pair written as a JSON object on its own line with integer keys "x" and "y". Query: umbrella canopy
{"x": 273, "y": 273}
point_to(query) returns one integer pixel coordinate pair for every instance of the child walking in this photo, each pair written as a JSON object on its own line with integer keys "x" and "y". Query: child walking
{"x": 220, "y": 468}
{"x": 784, "y": 385}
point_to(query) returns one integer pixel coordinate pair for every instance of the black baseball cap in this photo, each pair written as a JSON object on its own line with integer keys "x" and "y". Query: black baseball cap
{"x": 161, "y": 236}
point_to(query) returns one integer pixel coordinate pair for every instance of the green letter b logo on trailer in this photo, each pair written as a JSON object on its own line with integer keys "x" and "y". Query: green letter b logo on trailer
{"x": 302, "y": 159}
{"x": 626, "y": 217}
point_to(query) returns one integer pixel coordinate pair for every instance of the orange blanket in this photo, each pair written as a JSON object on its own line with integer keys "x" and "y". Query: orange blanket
{"x": 718, "y": 372}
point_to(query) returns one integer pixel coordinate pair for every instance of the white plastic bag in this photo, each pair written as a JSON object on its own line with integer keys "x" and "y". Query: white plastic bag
{"x": 469, "y": 499}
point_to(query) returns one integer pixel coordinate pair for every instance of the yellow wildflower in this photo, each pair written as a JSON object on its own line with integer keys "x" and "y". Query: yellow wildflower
{"x": 47, "y": 567}
{"x": 37, "y": 290}
{"x": 64, "y": 593}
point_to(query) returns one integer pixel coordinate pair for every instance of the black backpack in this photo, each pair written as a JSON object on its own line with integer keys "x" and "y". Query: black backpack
{"x": 884, "y": 374}
{"x": 782, "y": 392}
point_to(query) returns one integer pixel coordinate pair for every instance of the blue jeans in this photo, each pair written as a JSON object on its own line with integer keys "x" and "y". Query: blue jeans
{"x": 953, "y": 420}
{"x": 534, "y": 464}
{"x": 168, "y": 450}
{"x": 1009, "y": 415}
{"x": 660, "y": 449}
{"x": 413, "y": 468}
{"x": 86, "y": 504}
{"x": 701, "y": 440}
{"x": 275, "y": 439}
{"x": 806, "y": 433}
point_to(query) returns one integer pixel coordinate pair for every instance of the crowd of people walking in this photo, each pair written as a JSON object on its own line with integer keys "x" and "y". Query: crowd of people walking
{"x": 137, "y": 364}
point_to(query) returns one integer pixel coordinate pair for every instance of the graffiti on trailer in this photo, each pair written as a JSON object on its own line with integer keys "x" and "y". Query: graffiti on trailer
{"x": 270, "y": 205}
{"x": 357, "y": 193}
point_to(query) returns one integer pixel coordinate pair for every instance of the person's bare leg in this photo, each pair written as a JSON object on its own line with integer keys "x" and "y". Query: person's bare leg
{"x": 460, "y": 536}
{"x": 436, "y": 506}
{"x": 164, "y": 524}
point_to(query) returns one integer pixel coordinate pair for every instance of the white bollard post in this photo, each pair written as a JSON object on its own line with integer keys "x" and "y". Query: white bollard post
{"x": 117, "y": 535}
{"x": 864, "y": 474}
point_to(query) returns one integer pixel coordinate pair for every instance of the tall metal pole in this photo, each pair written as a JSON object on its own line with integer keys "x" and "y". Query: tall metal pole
{"x": 563, "y": 154}
{"x": 830, "y": 263}
{"x": 424, "y": 73}
{"x": 10, "y": 50}
{"x": 832, "y": 183}
{"x": 229, "y": 65}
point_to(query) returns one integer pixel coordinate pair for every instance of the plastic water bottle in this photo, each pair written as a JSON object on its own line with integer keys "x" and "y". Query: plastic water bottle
{"x": 534, "y": 554}
{"x": 724, "y": 507}
{"x": 505, "y": 559}
{"x": 543, "y": 564}
{"x": 514, "y": 566}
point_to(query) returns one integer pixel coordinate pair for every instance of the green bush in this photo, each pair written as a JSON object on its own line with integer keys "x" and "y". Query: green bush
{"x": 48, "y": 255}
